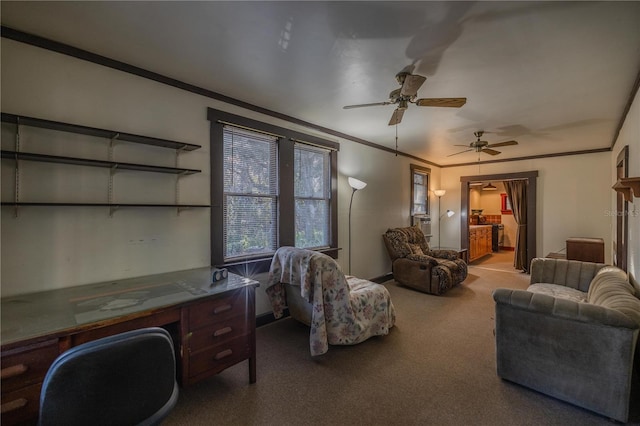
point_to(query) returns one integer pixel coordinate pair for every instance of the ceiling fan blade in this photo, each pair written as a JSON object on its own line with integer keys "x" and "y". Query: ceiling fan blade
{"x": 396, "y": 118}
{"x": 367, "y": 105}
{"x": 411, "y": 84}
{"x": 461, "y": 152}
{"x": 467, "y": 145}
{"x": 490, "y": 151}
{"x": 507, "y": 143}
{"x": 442, "y": 102}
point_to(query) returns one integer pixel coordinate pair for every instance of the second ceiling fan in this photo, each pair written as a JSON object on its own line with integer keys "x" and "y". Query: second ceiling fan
{"x": 408, "y": 93}
{"x": 483, "y": 146}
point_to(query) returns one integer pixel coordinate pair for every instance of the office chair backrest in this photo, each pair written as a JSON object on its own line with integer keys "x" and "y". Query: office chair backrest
{"x": 126, "y": 379}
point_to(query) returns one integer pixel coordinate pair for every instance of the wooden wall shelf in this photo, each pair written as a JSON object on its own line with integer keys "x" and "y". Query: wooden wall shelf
{"x": 114, "y": 205}
{"x": 93, "y": 131}
{"x": 29, "y": 156}
{"x": 110, "y": 136}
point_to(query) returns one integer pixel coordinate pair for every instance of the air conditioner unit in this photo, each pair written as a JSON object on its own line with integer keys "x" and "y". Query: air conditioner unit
{"x": 424, "y": 222}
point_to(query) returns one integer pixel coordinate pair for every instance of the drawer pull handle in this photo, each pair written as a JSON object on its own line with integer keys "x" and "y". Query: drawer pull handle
{"x": 222, "y": 331}
{"x": 223, "y": 354}
{"x": 13, "y": 405}
{"x": 13, "y": 371}
{"x": 221, "y": 309}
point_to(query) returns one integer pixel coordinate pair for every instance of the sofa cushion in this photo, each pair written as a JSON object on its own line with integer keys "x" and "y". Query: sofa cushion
{"x": 559, "y": 291}
{"x": 611, "y": 289}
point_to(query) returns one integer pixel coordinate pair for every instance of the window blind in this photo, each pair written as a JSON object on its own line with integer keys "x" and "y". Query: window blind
{"x": 312, "y": 192}
{"x": 250, "y": 193}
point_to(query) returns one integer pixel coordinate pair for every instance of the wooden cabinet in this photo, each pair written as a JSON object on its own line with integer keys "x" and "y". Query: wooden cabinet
{"x": 212, "y": 325}
{"x": 479, "y": 241}
{"x": 22, "y": 374}
{"x": 218, "y": 334}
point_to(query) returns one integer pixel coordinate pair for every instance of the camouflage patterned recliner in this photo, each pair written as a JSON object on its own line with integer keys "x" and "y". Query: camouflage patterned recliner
{"x": 415, "y": 265}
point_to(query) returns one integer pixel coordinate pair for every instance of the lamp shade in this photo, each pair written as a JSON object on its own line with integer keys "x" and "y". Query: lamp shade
{"x": 450, "y": 213}
{"x": 356, "y": 184}
{"x": 439, "y": 192}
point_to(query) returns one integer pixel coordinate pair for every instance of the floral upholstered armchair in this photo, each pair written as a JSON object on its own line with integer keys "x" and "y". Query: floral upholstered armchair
{"x": 340, "y": 310}
{"x": 415, "y": 265}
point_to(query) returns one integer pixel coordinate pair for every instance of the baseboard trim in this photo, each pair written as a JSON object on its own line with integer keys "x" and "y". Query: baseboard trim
{"x": 383, "y": 278}
{"x": 268, "y": 318}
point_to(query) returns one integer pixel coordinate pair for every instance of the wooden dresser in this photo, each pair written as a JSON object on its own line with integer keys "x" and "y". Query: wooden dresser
{"x": 212, "y": 325}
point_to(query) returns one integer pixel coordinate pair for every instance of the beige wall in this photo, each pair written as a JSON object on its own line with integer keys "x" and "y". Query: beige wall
{"x": 47, "y": 248}
{"x": 573, "y": 197}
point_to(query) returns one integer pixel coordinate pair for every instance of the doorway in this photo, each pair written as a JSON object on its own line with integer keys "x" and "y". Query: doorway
{"x": 622, "y": 212}
{"x": 531, "y": 182}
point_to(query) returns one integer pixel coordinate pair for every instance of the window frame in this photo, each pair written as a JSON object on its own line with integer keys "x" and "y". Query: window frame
{"x": 414, "y": 168}
{"x": 326, "y": 196}
{"x": 286, "y": 140}
{"x": 271, "y": 193}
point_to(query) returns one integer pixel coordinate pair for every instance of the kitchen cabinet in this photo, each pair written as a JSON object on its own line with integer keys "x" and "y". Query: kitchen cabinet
{"x": 479, "y": 241}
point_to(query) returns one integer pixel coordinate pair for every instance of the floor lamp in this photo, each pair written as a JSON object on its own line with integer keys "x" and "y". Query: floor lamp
{"x": 439, "y": 193}
{"x": 355, "y": 184}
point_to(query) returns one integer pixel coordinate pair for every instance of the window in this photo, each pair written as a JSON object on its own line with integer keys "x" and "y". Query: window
{"x": 270, "y": 187}
{"x": 250, "y": 193}
{"x": 505, "y": 204}
{"x": 419, "y": 190}
{"x": 312, "y": 196}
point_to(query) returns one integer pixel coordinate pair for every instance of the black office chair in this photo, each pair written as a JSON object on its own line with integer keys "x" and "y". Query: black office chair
{"x": 126, "y": 379}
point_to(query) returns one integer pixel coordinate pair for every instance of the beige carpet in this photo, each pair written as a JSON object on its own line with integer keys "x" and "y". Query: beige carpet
{"x": 497, "y": 261}
{"x": 436, "y": 367}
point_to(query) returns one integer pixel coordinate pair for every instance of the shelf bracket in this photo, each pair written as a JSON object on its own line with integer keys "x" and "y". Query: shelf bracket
{"x": 112, "y": 171}
{"x": 179, "y": 209}
{"x": 179, "y": 175}
{"x": 17, "y": 169}
{"x": 112, "y": 143}
{"x": 112, "y": 209}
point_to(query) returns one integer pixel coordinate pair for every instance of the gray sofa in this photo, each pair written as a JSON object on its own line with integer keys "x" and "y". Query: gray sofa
{"x": 573, "y": 334}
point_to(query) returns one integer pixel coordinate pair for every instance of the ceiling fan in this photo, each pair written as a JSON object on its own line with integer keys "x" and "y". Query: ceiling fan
{"x": 407, "y": 93}
{"x": 483, "y": 146}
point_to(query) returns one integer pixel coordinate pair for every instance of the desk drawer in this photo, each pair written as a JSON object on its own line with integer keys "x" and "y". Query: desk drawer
{"x": 27, "y": 365}
{"x": 20, "y": 405}
{"x": 218, "y": 332}
{"x": 219, "y": 357}
{"x": 220, "y": 308}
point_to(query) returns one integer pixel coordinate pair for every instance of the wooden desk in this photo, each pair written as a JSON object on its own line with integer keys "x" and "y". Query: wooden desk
{"x": 212, "y": 326}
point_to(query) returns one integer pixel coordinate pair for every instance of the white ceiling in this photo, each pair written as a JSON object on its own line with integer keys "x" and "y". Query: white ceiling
{"x": 555, "y": 76}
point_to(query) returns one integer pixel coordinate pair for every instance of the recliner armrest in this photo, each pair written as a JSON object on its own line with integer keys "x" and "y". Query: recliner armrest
{"x": 444, "y": 254}
{"x": 562, "y": 308}
{"x": 423, "y": 258}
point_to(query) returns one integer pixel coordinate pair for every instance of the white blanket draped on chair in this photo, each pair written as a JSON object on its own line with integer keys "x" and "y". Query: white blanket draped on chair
{"x": 346, "y": 310}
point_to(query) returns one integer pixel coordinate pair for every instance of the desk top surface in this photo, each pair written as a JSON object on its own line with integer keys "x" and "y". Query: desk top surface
{"x": 38, "y": 314}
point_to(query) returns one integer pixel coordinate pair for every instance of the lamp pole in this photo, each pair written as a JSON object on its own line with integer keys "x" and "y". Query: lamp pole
{"x": 355, "y": 184}
{"x": 439, "y": 193}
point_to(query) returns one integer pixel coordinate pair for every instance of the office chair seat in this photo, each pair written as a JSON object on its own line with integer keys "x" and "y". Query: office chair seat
{"x": 126, "y": 379}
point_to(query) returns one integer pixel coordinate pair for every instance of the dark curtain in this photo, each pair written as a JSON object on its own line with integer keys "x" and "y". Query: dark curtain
{"x": 517, "y": 193}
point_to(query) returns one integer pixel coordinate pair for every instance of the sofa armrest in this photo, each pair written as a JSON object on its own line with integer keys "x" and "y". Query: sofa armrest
{"x": 562, "y": 308}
